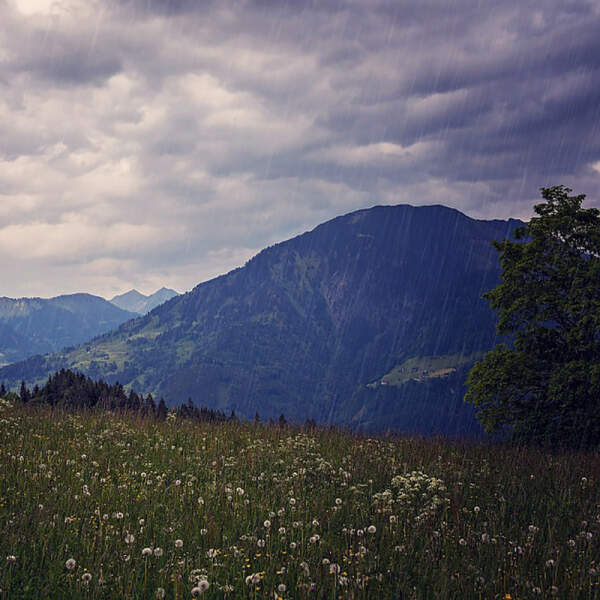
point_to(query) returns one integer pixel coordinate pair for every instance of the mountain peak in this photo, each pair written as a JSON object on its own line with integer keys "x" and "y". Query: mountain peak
{"x": 141, "y": 304}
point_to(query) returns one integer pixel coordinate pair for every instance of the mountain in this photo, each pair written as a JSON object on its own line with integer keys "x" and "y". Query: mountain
{"x": 370, "y": 321}
{"x": 30, "y": 326}
{"x": 137, "y": 302}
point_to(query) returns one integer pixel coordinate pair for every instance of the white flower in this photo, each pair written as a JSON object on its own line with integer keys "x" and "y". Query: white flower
{"x": 372, "y": 529}
{"x": 71, "y": 564}
{"x": 462, "y": 542}
{"x": 147, "y": 552}
{"x": 158, "y": 551}
{"x": 202, "y": 586}
{"x": 178, "y": 543}
{"x": 267, "y": 524}
{"x": 86, "y": 577}
{"x": 129, "y": 538}
{"x": 160, "y": 593}
{"x": 11, "y": 558}
{"x": 281, "y": 588}
{"x": 338, "y": 501}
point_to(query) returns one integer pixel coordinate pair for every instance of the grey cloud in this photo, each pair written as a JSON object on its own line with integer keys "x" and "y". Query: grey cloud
{"x": 204, "y": 131}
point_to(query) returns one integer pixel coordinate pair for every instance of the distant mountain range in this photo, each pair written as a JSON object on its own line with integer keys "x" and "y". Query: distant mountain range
{"x": 30, "y": 326}
{"x": 137, "y": 302}
{"x": 371, "y": 321}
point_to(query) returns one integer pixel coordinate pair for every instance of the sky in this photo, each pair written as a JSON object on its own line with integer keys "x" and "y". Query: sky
{"x": 150, "y": 143}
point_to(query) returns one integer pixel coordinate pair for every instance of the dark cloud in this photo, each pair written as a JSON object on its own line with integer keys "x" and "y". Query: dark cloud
{"x": 153, "y": 142}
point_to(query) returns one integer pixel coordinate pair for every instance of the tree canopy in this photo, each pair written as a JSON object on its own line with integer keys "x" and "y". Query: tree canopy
{"x": 544, "y": 385}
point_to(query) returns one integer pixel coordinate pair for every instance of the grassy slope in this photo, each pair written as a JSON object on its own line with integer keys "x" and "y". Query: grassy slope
{"x": 76, "y": 486}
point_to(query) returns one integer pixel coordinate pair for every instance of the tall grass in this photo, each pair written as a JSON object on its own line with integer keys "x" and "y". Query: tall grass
{"x": 102, "y": 506}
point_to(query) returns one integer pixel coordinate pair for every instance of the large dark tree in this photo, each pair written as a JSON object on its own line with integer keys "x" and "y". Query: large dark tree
{"x": 545, "y": 386}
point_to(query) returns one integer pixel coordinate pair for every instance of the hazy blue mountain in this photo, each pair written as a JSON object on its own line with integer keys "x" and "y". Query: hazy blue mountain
{"x": 30, "y": 326}
{"x": 137, "y": 302}
{"x": 371, "y": 320}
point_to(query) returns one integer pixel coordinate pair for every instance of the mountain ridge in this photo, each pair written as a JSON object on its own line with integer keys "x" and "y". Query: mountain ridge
{"x": 307, "y": 324}
{"x": 142, "y": 304}
{"x": 30, "y": 326}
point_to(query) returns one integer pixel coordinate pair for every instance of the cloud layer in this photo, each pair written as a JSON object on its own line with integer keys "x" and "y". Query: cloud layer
{"x": 147, "y": 143}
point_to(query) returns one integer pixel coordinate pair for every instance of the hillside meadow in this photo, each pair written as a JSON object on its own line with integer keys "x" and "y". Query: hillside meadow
{"x": 99, "y": 505}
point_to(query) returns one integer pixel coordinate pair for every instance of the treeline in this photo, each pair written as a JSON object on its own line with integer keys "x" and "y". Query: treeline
{"x": 74, "y": 391}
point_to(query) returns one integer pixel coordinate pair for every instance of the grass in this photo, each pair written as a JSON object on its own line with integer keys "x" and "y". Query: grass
{"x": 426, "y": 367}
{"x": 261, "y": 512}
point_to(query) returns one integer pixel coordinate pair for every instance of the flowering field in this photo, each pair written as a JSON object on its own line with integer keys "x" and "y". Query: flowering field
{"x": 100, "y": 506}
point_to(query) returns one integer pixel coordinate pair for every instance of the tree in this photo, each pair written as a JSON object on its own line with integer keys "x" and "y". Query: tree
{"x": 162, "y": 410}
{"x": 545, "y": 385}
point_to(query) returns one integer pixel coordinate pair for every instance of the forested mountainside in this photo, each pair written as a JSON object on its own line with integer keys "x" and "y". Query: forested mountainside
{"x": 30, "y": 326}
{"x": 371, "y": 320}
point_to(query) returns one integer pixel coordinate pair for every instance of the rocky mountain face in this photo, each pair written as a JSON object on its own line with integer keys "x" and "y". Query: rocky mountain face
{"x": 141, "y": 304}
{"x": 369, "y": 321}
{"x": 30, "y": 326}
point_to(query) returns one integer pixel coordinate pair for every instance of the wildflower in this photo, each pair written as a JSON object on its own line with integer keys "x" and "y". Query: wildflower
{"x": 147, "y": 552}
{"x": 476, "y": 510}
{"x": 158, "y": 552}
{"x": 71, "y": 564}
{"x": 549, "y": 563}
{"x": 86, "y": 577}
{"x": 129, "y": 538}
{"x": 281, "y": 588}
{"x": 202, "y": 586}
{"x": 267, "y": 524}
{"x": 371, "y": 529}
{"x": 462, "y": 542}
{"x": 338, "y": 501}
{"x": 11, "y": 558}
{"x": 178, "y": 543}
{"x": 160, "y": 593}
{"x": 334, "y": 568}
{"x": 119, "y": 515}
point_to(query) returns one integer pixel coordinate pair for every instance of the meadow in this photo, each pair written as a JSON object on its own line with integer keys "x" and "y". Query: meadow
{"x": 99, "y": 505}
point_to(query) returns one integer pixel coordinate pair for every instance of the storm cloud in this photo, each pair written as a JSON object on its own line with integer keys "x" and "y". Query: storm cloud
{"x": 147, "y": 143}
